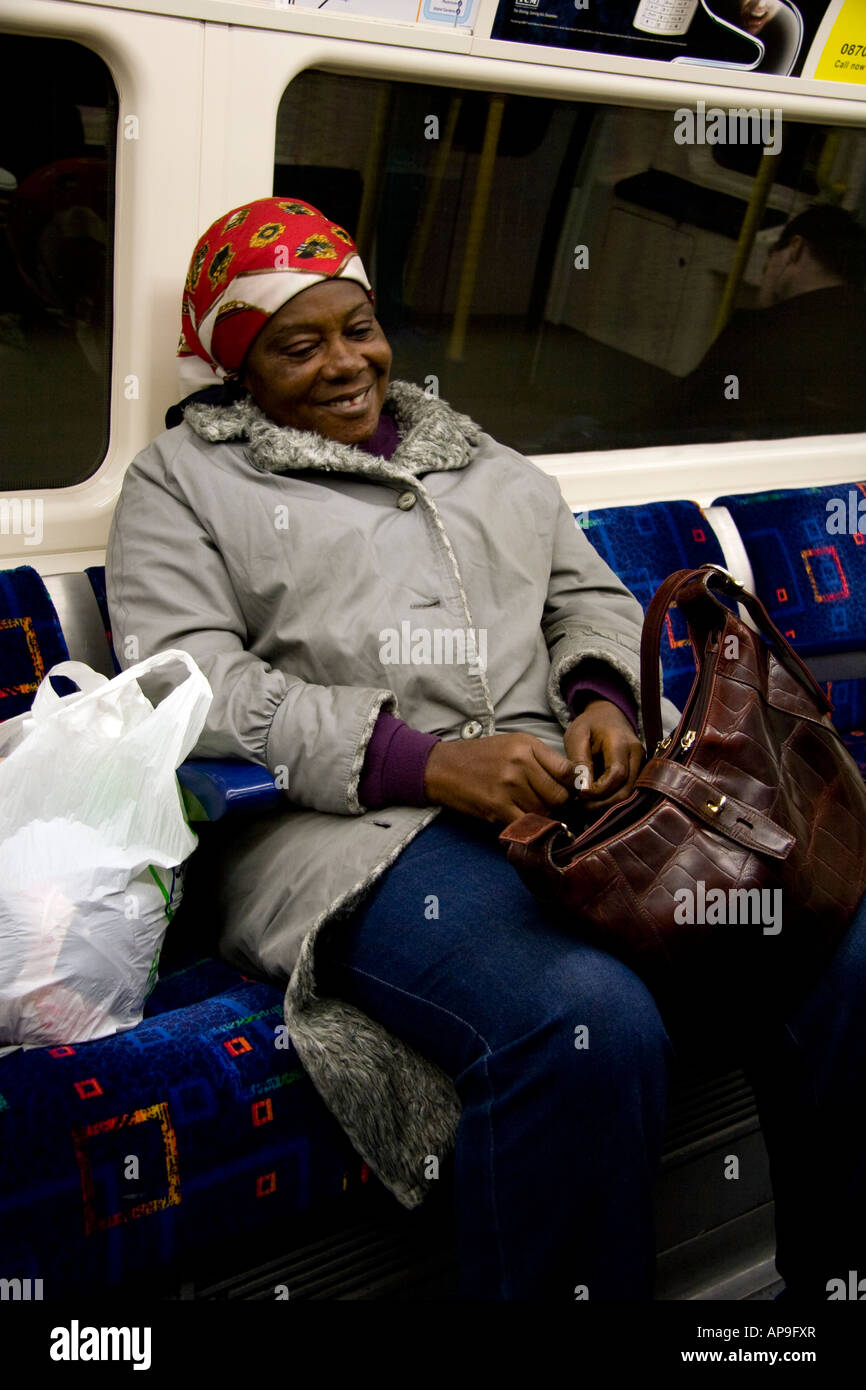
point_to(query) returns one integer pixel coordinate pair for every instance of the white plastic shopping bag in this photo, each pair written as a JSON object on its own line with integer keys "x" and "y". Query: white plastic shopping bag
{"x": 93, "y": 837}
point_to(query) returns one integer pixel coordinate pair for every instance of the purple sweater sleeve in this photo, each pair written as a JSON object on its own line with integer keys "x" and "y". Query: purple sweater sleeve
{"x": 393, "y": 771}
{"x": 598, "y": 679}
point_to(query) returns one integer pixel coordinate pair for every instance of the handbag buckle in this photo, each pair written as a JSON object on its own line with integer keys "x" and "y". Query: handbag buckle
{"x": 731, "y": 578}
{"x": 716, "y": 807}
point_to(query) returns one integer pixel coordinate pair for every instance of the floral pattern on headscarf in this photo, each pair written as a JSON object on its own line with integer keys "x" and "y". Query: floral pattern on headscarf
{"x": 244, "y": 268}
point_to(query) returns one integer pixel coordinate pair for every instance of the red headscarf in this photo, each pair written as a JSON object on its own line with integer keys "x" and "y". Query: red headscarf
{"x": 244, "y": 268}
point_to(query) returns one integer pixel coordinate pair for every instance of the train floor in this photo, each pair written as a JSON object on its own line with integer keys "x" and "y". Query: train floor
{"x": 715, "y": 1238}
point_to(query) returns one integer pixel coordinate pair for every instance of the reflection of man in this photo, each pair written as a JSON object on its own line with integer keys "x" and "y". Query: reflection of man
{"x": 795, "y": 365}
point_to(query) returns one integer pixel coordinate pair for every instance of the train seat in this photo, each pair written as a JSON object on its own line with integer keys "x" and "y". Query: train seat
{"x": 206, "y": 1093}
{"x": 240, "y": 1147}
{"x": 645, "y": 543}
{"x": 167, "y": 1147}
{"x": 808, "y": 559}
{"x": 31, "y": 639}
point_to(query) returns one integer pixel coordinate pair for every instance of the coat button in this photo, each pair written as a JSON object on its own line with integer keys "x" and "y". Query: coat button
{"x": 406, "y": 501}
{"x": 471, "y": 730}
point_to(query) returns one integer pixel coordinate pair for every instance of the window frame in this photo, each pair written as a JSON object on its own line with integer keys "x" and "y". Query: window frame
{"x": 701, "y": 472}
{"x": 149, "y": 59}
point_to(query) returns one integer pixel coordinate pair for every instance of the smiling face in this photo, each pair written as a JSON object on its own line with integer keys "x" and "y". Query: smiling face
{"x": 754, "y": 14}
{"x": 322, "y": 363}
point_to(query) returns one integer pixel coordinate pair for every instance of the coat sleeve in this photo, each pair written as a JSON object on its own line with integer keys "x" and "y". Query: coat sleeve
{"x": 168, "y": 586}
{"x": 589, "y": 614}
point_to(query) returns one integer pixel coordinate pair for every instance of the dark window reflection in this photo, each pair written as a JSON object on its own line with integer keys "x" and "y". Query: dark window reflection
{"x": 565, "y": 271}
{"x": 58, "y": 114}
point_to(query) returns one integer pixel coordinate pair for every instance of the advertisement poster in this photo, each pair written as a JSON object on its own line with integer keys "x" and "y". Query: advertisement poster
{"x": 772, "y": 36}
{"x": 456, "y": 14}
{"x": 842, "y": 57}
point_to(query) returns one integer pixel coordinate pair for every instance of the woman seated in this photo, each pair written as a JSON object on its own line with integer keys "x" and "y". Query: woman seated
{"x": 400, "y": 618}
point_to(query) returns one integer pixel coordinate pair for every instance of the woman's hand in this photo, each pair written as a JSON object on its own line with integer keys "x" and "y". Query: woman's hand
{"x": 603, "y": 730}
{"x": 500, "y": 777}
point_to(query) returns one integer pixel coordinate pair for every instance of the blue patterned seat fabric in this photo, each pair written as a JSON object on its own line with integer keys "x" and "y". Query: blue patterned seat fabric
{"x": 808, "y": 559}
{"x": 31, "y": 641}
{"x": 96, "y": 575}
{"x": 140, "y": 1153}
{"x": 810, "y": 575}
{"x": 643, "y": 545}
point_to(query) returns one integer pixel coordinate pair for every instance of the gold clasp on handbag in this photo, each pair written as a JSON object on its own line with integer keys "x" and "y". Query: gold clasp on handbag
{"x": 688, "y": 739}
{"x": 716, "y": 806}
{"x": 661, "y": 745}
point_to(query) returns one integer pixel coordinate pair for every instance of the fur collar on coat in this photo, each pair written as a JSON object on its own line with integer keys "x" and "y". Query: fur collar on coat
{"x": 433, "y": 437}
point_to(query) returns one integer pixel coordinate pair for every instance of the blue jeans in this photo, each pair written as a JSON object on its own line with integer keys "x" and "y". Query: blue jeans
{"x": 561, "y": 1062}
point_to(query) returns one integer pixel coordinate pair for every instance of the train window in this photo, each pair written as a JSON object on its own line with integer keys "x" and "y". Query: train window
{"x": 562, "y": 270}
{"x": 58, "y": 113}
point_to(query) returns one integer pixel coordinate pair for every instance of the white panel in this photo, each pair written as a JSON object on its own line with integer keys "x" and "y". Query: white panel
{"x": 292, "y": 18}
{"x": 703, "y": 472}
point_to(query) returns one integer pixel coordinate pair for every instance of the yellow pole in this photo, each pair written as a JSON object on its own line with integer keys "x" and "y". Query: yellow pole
{"x": 373, "y": 170}
{"x": 476, "y": 227}
{"x": 440, "y": 164}
{"x": 823, "y": 174}
{"x": 751, "y": 222}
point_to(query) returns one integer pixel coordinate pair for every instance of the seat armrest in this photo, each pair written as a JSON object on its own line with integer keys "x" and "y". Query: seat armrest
{"x": 216, "y": 787}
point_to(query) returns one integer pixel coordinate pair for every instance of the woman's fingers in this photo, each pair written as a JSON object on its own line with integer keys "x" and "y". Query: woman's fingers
{"x": 552, "y": 777}
{"x": 616, "y": 768}
{"x": 578, "y": 746}
{"x": 603, "y": 731}
{"x": 617, "y": 782}
{"x": 498, "y": 778}
{"x": 503, "y": 776}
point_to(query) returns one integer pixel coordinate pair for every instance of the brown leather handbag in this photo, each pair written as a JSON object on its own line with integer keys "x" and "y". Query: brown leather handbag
{"x": 729, "y": 876}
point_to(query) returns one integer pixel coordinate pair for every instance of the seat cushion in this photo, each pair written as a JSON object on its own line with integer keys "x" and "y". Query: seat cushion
{"x": 809, "y": 561}
{"x": 141, "y": 1152}
{"x": 643, "y": 545}
{"x": 96, "y": 575}
{"x": 848, "y": 698}
{"x": 855, "y": 742}
{"x": 31, "y": 641}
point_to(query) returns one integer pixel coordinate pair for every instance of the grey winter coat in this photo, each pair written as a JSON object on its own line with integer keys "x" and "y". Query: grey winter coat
{"x": 286, "y": 564}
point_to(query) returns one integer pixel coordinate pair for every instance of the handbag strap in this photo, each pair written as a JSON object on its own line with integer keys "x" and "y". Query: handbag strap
{"x": 703, "y": 611}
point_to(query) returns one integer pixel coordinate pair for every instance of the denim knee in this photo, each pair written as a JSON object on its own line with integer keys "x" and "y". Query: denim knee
{"x": 590, "y": 1008}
